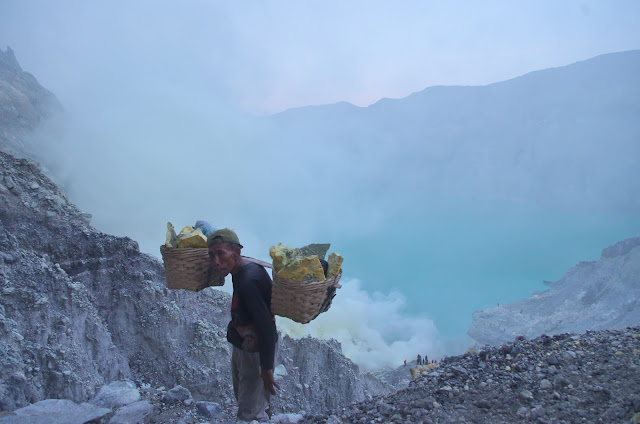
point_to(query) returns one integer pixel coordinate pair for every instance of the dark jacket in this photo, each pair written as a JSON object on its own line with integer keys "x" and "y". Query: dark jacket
{"x": 250, "y": 309}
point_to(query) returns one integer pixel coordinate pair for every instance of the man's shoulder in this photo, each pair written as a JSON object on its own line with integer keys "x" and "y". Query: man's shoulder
{"x": 254, "y": 271}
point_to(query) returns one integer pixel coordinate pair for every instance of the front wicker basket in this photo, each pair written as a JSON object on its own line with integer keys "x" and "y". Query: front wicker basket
{"x": 301, "y": 301}
{"x": 188, "y": 268}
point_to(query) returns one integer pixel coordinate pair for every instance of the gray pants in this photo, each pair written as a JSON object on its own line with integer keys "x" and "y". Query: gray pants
{"x": 253, "y": 399}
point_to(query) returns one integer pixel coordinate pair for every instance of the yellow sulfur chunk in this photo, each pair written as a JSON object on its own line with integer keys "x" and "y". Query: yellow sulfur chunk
{"x": 303, "y": 264}
{"x": 303, "y": 269}
{"x": 171, "y": 236}
{"x": 194, "y": 238}
{"x": 335, "y": 263}
{"x": 187, "y": 229}
{"x": 281, "y": 256}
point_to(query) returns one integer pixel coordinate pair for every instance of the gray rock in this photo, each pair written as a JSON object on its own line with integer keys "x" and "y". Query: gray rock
{"x": 289, "y": 418}
{"x": 140, "y": 412}
{"x": 56, "y": 411}
{"x": 7, "y": 257}
{"x": 538, "y": 411}
{"x": 280, "y": 371}
{"x": 208, "y": 409}
{"x": 319, "y": 249}
{"x": 483, "y": 404}
{"x": 8, "y": 182}
{"x": 553, "y": 360}
{"x": 526, "y": 395}
{"x": 460, "y": 370}
{"x": 545, "y": 384}
{"x": 177, "y": 394}
{"x": 334, "y": 420}
{"x": 569, "y": 356}
{"x": 117, "y": 393}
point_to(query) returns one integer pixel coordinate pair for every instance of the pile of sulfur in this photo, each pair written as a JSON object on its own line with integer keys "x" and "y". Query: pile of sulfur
{"x": 305, "y": 263}
{"x": 189, "y": 236}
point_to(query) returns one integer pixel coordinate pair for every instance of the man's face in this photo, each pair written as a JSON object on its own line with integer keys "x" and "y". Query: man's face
{"x": 223, "y": 258}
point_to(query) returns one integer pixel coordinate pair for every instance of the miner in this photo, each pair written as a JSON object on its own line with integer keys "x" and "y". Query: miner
{"x": 252, "y": 329}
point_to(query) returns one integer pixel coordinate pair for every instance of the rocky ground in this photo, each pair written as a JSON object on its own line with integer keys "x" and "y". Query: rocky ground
{"x": 586, "y": 378}
{"x": 591, "y": 378}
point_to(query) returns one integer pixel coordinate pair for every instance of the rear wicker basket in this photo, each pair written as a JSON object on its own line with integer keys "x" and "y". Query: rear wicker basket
{"x": 188, "y": 268}
{"x": 302, "y": 301}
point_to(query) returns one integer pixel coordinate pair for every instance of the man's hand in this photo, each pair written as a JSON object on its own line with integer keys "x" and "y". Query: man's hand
{"x": 269, "y": 381}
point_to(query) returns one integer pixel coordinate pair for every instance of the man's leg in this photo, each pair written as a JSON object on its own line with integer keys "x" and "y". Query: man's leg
{"x": 253, "y": 398}
{"x": 234, "y": 371}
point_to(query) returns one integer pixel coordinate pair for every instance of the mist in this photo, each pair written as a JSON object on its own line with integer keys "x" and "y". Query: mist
{"x": 169, "y": 117}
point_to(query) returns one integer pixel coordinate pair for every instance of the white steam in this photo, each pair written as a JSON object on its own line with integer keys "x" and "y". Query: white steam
{"x": 374, "y": 329}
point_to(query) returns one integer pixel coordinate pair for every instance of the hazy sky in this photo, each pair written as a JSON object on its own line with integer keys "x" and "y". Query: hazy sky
{"x": 266, "y": 56}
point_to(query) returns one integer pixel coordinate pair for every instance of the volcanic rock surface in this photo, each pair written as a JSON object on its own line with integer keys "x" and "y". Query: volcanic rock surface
{"x": 25, "y": 106}
{"x": 596, "y": 295}
{"x": 81, "y": 309}
{"x": 566, "y": 378}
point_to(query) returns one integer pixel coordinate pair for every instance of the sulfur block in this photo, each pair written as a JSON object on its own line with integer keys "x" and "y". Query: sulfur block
{"x": 172, "y": 238}
{"x": 194, "y": 238}
{"x": 303, "y": 264}
{"x": 187, "y": 229}
{"x": 335, "y": 263}
{"x": 281, "y": 256}
{"x": 303, "y": 269}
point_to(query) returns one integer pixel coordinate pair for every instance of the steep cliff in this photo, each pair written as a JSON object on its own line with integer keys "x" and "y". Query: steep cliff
{"x": 81, "y": 308}
{"x": 25, "y": 106}
{"x": 595, "y": 295}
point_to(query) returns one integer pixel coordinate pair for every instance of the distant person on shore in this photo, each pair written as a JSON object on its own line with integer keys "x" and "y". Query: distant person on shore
{"x": 419, "y": 360}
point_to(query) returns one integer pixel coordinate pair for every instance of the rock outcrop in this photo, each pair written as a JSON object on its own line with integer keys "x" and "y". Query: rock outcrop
{"x": 24, "y": 106}
{"x": 597, "y": 295}
{"x": 81, "y": 309}
{"x": 566, "y": 378}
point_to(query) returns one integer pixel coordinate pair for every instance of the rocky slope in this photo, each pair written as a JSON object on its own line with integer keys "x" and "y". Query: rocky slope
{"x": 595, "y": 295}
{"x": 81, "y": 309}
{"x": 591, "y": 378}
{"x": 25, "y": 106}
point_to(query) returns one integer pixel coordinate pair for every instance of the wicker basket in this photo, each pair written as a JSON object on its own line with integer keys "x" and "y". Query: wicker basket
{"x": 188, "y": 268}
{"x": 302, "y": 301}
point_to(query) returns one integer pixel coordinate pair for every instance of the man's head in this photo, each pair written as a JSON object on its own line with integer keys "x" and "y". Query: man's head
{"x": 224, "y": 251}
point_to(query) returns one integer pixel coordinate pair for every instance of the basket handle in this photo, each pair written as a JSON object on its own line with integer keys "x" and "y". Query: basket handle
{"x": 259, "y": 262}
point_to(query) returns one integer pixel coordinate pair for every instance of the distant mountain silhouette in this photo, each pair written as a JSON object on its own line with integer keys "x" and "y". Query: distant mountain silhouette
{"x": 566, "y": 136}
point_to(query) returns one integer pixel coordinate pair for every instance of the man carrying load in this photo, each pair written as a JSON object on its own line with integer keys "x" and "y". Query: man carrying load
{"x": 252, "y": 329}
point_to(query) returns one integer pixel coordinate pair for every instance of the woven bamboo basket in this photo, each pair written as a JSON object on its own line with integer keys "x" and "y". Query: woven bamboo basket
{"x": 302, "y": 301}
{"x": 188, "y": 268}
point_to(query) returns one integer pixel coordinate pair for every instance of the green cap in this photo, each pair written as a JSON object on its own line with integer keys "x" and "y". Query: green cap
{"x": 224, "y": 235}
